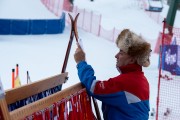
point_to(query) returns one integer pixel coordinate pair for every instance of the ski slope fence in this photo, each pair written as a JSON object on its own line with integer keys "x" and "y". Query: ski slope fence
{"x": 87, "y": 20}
{"x": 168, "y": 97}
{"x": 91, "y": 21}
{"x": 57, "y": 6}
{"x": 29, "y": 26}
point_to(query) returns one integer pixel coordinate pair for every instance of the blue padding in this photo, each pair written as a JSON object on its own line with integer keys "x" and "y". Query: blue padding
{"x": 38, "y": 26}
{"x": 53, "y": 26}
{"x": 5, "y": 26}
{"x": 62, "y": 21}
{"x": 25, "y": 27}
{"x": 20, "y": 27}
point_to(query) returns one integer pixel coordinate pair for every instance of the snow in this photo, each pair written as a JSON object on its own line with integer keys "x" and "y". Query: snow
{"x": 43, "y": 55}
{"x": 125, "y": 14}
{"x": 27, "y": 9}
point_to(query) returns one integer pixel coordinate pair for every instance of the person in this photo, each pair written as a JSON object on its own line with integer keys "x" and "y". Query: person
{"x": 125, "y": 96}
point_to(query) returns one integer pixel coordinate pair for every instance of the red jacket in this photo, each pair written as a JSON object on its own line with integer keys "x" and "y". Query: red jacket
{"x": 124, "y": 97}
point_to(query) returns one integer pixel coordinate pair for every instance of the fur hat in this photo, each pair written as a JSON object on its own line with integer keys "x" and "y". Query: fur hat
{"x": 135, "y": 46}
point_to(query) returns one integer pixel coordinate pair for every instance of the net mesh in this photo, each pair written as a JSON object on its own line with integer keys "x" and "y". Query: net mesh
{"x": 169, "y": 79}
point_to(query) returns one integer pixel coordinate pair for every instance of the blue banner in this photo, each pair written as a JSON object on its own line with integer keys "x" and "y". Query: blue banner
{"x": 170, "y": 61}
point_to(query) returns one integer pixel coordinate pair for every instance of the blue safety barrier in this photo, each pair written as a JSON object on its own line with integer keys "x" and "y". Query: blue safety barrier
{"x": 26, "y": 27}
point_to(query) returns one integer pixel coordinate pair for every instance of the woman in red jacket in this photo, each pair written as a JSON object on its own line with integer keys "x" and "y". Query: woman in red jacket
{"x": 125, "y": 96}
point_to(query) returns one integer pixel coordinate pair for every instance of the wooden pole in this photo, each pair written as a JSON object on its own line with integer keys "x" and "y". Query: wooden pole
{"x": 4, "y": 113}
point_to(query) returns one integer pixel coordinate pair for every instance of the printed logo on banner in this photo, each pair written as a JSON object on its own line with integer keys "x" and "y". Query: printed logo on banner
{"x": 169, "y": 58}
{"x": 178, "y": 61}
{"x": 178, "y": 57}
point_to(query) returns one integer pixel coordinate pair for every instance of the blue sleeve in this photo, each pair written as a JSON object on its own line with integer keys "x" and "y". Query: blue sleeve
{"x": 87, "y": 78}
{"x": 117, "y": 99}
{"x": 86, "y": 74}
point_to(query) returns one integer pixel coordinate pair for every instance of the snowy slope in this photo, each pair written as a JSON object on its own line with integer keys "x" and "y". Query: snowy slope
{"x": 24, "y": 9}
{"x": 43, "y": 55}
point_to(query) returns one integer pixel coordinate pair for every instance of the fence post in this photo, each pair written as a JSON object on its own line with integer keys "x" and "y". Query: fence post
{"x": 57, "y": 8}
{"x": 158, "y": 18}
{"x": 83, "y": 19}
{"x": 99, "y": 25}
{"x": 75, "y": 9}
{"x": 91, "y": 21}
{"x": 113, "y": 34}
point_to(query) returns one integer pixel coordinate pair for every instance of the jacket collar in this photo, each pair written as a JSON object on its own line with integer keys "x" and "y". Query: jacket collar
{"x": 130, "y": 68}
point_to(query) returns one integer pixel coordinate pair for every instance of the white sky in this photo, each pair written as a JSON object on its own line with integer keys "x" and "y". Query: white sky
{"x": 43, "y": 55}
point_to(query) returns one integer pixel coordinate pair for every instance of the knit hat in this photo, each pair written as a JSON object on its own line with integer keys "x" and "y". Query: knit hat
{"x": 135, "y": 46}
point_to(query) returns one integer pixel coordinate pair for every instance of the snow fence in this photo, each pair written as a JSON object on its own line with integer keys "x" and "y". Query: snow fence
{"x": 28, "y": 26}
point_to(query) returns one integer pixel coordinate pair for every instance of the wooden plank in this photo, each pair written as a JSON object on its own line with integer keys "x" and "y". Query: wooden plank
{"x": 28, "y": 90}
{"x": 29, "y": 109}
{"x": 5, "y": 113}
